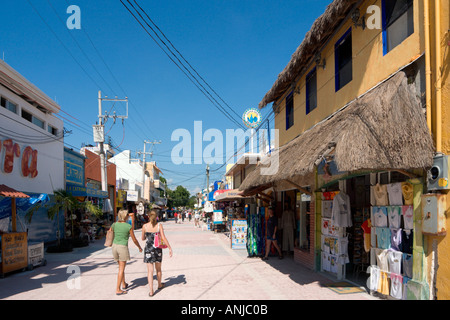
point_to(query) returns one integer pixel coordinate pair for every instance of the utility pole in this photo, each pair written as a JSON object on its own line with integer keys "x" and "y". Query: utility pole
{"x": 207, "y": 178}
{"x": 99, "y": 134}
{"x": 143, "y": 166}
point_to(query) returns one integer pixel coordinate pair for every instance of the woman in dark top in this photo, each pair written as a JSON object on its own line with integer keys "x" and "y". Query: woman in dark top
{"x": 152, "y": 255}
{"x": 271, "y": 236}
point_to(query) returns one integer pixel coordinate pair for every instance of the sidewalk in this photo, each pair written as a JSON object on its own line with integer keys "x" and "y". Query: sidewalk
{"x": 203, "y": 267}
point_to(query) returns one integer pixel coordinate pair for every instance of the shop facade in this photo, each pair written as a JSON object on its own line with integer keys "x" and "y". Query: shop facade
{"x": 31, "y": 153}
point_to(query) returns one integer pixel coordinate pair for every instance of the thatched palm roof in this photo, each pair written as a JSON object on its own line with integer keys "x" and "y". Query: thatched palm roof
{"x": 314, "y": 39}
{"x": 384, "y": 129}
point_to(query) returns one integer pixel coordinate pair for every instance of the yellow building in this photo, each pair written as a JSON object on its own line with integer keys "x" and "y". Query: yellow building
{"x": 364, "y": 102}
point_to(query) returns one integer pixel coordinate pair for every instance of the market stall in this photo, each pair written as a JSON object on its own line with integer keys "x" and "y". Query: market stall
{"x": 14, "y": 246}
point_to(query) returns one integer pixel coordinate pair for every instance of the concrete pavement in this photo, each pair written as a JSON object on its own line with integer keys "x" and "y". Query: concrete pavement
{"x": 203, "y": 267}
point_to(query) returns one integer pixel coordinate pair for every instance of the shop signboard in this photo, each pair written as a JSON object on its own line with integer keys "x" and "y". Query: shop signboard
{"x": 217, "y": 217}
{"x": 14, "y": 251}
{"x": 238, "y": 234}
{"x": 132, "y": 195}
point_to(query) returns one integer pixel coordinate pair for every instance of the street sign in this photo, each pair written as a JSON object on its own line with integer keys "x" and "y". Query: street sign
{"x": 99, "y": 134}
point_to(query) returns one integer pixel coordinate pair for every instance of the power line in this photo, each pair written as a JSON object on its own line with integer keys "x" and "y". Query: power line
{"x": 199, "y": 86}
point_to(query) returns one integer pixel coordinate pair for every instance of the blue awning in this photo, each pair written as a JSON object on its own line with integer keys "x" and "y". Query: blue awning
{"x": 23, "y": 204}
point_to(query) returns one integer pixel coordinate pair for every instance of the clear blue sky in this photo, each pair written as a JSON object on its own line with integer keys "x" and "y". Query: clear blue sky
{"x": 238, "y": 46}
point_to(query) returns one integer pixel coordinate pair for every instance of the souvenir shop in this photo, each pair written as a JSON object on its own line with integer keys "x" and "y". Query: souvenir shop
{"x": 367, "y": 232}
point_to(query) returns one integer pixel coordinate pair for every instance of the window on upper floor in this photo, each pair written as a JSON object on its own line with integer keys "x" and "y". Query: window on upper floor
{"x": 289, "y": 110}
{"x": 311, "y": 91}
{"x": 29, "y": 117}
{"x": 398, "y": 22}
{"x": 52, "y": 130}
{"x": 343, "y": 60}
{"x": 5, "y": 103}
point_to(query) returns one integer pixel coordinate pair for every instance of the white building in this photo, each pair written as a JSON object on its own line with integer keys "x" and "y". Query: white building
{"x": 31, "y": 136}
{"x": 128, "y": 172}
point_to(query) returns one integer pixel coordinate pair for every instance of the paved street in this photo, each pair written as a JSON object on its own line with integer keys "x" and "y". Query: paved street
{"x": 203, "y": 267}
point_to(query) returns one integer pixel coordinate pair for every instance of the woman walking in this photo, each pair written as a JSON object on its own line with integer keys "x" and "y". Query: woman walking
{"x": 153, "y": 255}
{"x": 272, "y": 226}
{"x": 121, "y": 254}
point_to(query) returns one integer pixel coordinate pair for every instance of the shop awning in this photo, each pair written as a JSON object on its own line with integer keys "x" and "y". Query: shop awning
{"x": 229, "y": 195}
{"x": 6, "y": 191}
{"x": 385, "y": 129}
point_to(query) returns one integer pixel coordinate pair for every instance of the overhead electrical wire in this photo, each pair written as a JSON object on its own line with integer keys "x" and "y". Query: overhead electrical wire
{"x": 180, "y": 64}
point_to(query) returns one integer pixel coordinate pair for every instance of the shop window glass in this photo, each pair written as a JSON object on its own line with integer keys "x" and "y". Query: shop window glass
{"x": 289, "y": 111}
{"x": 311, "y": 91}
{"x": 27, "y": 116}
{"x": 343, "y": 59}
{"x": 398, "y": 22}
{"x": 38, "y": 122}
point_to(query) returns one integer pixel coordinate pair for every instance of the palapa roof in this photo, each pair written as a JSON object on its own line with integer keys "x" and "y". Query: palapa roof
{"x": 314, "y": 39}
{"x": 8, "y": 192}
{"x": 384, "y": 129}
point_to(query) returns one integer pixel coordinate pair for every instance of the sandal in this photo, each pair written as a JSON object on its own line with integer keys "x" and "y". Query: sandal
{"x": 126, "y": 286}
{"x": 150, "y": 294}
{"x": 121, "y": 293}
{"x": 162, "y": 286}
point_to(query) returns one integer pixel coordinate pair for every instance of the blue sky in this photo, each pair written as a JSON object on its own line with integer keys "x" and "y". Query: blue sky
{"x": 238, "y": 46}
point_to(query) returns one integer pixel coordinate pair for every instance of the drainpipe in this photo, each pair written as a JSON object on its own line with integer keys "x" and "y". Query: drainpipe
{"x": 427, "y": 63}
{"x": 437, "y": 10}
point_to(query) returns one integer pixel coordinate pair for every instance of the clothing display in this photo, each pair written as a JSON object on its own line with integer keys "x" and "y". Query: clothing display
{"x": 380, "y": 194}
{"x": 394, "y": 216}
{"x": 408, "y": 217}
{"x": 396, "y": 239}
{"x": 380, "y": 217}
{"x": 407, "y": 263}
{"x": 341, "y": 211}
{"x": 366, "y": 226}
{"x": 374, "y": 278}
{"x": 407, "y": 241}
{"x": 408, "y": 193}
{"x": 383, "y": 238}
{"x": 396, "y": 286}
{"x": 395, "y": 261}
{"x": 383, "y": 286}
{"x": 381, "y": 257}
{"x": 395, "y": 194}
{"x": 327, "y": 207}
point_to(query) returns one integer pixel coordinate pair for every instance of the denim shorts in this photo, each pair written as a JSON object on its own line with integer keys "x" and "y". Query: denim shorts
{"x": 271, "y": 238}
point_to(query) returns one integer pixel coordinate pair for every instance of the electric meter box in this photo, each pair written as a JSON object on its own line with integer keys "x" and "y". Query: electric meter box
{"x": 438, "y": 175}
{"x": 434, "y": 218}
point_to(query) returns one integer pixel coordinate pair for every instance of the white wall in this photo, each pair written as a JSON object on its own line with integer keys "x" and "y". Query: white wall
{"x": 50, "y": 156}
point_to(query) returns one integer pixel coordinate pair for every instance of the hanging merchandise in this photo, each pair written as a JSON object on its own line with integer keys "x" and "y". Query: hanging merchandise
{"x": 408, "y": 217}
{"x": 380, "y": 195}
{"x": 367, "y": 226}
{"x": 407, "y": 190}
{"x": 394, "y": 216}
{"x": 341, "y": 211}
{"x": 380, "y": 218}
{"x": 395, "y": 194}
{"x": 396, "y": 286}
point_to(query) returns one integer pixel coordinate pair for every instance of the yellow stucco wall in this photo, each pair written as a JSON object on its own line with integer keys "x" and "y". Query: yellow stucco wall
{"x": 443, "y": 242}
{"x": 369, "y": 68}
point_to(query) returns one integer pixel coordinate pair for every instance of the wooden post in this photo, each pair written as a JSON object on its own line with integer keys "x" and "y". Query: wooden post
{"x": 13, "y": 214}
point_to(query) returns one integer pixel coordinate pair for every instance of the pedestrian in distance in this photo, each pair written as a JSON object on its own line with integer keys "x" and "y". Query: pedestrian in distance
{"x": 271, "y": 235}
{"x": 152, "y": 255}
{"x": 176, "y": 217}
{"x": 122, "y": 232}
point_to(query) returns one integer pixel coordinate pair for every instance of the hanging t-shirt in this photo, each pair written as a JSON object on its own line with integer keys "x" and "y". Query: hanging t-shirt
{"x": 396, "y": 239}
{"x": 394, "y": 216}
{"x": 396, "y": 286}
{"x": 341, "y": 211}
{"x": 381, "y": 256}
{"x": 380, "y": 195}
{"x": 380, "y": 217}
{"x": 374, "y": 278}
{"x": 407, "y": 263}
{"x": 395, "y": 194}
{"x": 407, "y": 241}
{"x": 395, "y": 261}
{"x": 327, "y": 206}
{"x": 408, "y": 217}
{"x": 383, "y": 238}
{"x": 383, "y": 286}
{"x": 367, "y": 226}
{"x": 405, "y": 287}
{"x": 408, "y": 193}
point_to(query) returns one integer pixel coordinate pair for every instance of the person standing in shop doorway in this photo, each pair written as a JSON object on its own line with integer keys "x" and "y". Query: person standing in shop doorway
{"x": 271, "y": 235}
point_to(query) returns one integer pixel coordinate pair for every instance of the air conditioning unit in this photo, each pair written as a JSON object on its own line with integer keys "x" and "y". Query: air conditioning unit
{"x": 438, "y": 175}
